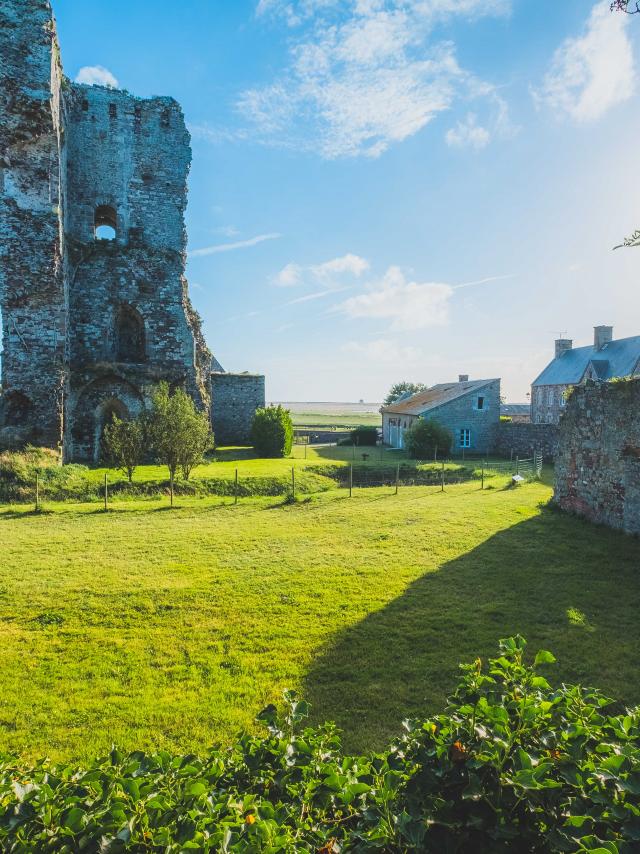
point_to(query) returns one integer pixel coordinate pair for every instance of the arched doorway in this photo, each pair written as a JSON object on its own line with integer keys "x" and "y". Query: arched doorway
{"x": 104, "y": 416}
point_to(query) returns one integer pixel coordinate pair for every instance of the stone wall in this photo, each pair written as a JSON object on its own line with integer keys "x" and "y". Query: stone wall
{"x": 518, "y": 440}
{"x": 31, "y": 268}
{"x": 90, "y": 325}
{"x": 463, "y": 413}
{"x": 234, "y": 400}
{"x": 129, "y": 321}
{"x": 598, "y": 459}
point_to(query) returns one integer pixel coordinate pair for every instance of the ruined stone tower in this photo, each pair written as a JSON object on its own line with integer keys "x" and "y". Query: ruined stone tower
{"x": 94, "y": 302}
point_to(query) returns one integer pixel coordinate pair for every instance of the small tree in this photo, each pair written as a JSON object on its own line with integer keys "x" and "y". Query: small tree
{"x": 423, "y": 438}
{"x": 179, "y": 433}
{"x": 400, "y": 389}
{"x": 198, "y": 438}
{"x": 124, "y": 442}
{"x": 272, "y": 432}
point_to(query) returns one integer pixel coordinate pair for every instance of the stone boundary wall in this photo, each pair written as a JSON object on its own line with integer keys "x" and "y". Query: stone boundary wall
{"x": 598, "y": 459}
{"x": 234, "y": 400}
{"x": 520, "y": 439}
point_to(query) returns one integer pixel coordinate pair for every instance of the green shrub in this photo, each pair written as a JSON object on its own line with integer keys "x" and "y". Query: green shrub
{"x": 272, "y": 432}
{"x": 179, "y": 434}
{"x": 125, "y": 443}
{"x": 423, "y": 438}
{"x": 511, "y": 765}
{"x": 364, "y": 436}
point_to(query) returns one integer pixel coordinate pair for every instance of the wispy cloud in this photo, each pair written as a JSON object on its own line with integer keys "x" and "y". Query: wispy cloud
{"x": 593, "y": 72}
{"x": 384, "y": 350}
{"x": 468, "y": 134}
{"x": 329, "y": 272}
{"x": 231, "y": 247}
{"x": 357, "y": 84}
{"x": 484, "y": 281}
{"x": 96, "y": 75}
{"x": 408, "y": 305}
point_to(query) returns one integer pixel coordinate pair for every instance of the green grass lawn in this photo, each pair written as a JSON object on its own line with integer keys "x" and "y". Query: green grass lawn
{"x": 159, "y": 628}
{"x": 346, "y": 420}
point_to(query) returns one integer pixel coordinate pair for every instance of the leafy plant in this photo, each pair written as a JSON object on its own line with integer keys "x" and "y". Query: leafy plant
{"x": 179, "y": 433}
{"x": 125, "y": 443}
{"x": 364, "y": 436}
{"x": 272, "y": 432}
{"x": 511, "y": 765}
{"x": 423, "y": 438}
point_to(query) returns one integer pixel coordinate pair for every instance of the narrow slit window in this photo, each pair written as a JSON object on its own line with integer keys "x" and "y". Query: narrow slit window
{"x": 480, "y": 404}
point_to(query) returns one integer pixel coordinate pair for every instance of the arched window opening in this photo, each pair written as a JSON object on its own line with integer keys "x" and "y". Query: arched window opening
{"x": 130, "y": 337}
{"x": 16, "y": 409}
{"x": 106, "y": 223}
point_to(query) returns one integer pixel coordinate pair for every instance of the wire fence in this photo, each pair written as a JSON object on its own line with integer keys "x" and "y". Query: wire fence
{"x": 351, "y": 476}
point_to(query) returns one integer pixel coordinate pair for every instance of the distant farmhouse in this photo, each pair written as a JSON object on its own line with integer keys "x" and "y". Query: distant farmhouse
{"x": 518, "y": 413}
{"x": 469, "y": 409}
{"x": 606, "y": 359}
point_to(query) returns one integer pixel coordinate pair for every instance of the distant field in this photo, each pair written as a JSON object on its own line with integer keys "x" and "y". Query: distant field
{"x": 327, "y": 414}
{"x": 172, "y": 629}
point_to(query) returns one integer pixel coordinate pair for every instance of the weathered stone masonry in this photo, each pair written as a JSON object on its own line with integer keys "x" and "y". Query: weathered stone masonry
{"x": 598, "y": 458}
{"x": 89, "y": 325}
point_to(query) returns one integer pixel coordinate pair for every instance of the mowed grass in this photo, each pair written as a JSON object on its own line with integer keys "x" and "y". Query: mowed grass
{"x": 341, "y": 420}
{"x": 171, "y": 629}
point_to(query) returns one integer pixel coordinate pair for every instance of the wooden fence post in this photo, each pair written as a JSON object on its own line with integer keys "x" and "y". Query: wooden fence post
{"x": 37, "y": 492}
{"x": 293, "y": 482}
{"x": 235, "y": 489}
{"x": 442, "y": 478}
{"x": 171, "y": 487}
{"x": 350, "y": 480}
{"x": 397, "y": 477}
{"x": 482, "y": 486}
{"x": 106, "y": 493}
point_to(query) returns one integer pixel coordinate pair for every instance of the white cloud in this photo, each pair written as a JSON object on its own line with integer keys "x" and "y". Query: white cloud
{"x": 288, "y": 276}
{"x": 468, "y": 134}
{"x": 593, "y": 72}
{"x": 383, "y": 350}
{"x": 329, "y": 273}
{"x": 96, "y": 75}
{"x": 408, "y": 305}
{"x": 230, "y": 247}
{"x": 357, "y": 84}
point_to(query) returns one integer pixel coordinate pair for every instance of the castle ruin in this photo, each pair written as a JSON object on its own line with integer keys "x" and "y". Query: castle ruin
{"x": 93, "y": 295}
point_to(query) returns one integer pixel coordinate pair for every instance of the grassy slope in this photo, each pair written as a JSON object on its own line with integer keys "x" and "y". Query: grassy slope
{"x": 151, "y": 627}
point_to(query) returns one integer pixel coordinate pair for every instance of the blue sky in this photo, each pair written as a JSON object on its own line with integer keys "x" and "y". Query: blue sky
{"x": 392, "y": 189}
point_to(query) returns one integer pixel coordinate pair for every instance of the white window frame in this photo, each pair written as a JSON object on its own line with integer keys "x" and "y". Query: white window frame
{"x": 464, "y": 437}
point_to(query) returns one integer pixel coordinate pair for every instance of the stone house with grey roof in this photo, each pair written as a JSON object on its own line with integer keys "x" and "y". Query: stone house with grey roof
{"x": 469, "y": 409}
{"x": 604, "y": 360}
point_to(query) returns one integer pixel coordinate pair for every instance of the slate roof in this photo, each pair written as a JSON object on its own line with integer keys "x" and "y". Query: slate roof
{"x": 616, "y": 359}
{"x": 431, "y": 398}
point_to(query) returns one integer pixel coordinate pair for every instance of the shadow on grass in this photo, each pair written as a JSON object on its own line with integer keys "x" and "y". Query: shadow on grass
{"x": 532, "y": 578}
